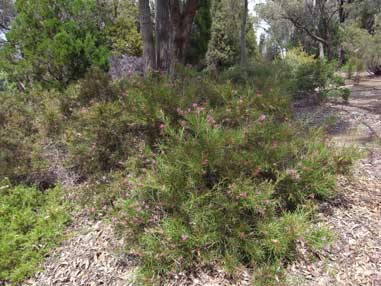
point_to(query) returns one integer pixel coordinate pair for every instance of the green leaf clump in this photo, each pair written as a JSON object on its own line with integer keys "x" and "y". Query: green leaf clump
{"x": 31, "y": 223}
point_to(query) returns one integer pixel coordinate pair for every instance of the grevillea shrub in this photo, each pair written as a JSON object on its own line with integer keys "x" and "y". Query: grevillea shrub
{"x": 200, "y": 172}
{"x": 229, "y": 183}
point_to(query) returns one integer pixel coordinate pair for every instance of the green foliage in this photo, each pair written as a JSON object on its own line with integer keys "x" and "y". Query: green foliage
{"x": 224, "y": 45}
{"x": 31, "y": 223}
{"x": 121, "y": 29}
{"x": 200, "y": 36}
{"x": 363, "y": 48}
{"x": 228, "y": 183}
{"x": 198, "y": 171}
{"x": 343, "y": 93}
{"x": 53, "y": 43}
{"x": 310, "y": 76}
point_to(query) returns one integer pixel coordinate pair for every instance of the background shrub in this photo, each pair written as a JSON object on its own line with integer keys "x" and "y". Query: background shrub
{"x": 77, "y": 42}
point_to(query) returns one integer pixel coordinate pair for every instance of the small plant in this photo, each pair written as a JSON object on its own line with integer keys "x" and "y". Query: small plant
{"x": 343, "y": 93}
{"x": 31, "y": 223}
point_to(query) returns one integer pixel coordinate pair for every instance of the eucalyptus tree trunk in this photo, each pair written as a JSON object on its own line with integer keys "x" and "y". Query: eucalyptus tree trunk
{"x": 174, "y": 19}
{"x": 243, "y": 33}
{"x": 163, "y": 55}
{"x": 320, "y": 43}
{"x": 321, "y": 51}
{"x": 147, "y": 36}
{"x": 181, "y": 21}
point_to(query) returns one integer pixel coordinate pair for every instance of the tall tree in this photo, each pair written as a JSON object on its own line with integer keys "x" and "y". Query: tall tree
{"x": 200, "y": 34}
{"x": 181, "y": 25}
{"x": 147, "y": 35}
{"x": 243, "y": 32}
{"x": 7, "y": 13}
{"x": 315, "y": 20}
{"x": 162, "y": 35}
{"x": 174, "y": 21}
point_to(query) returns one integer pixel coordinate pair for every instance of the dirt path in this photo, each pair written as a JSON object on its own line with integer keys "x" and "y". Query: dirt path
{"x": 355, "y": 256}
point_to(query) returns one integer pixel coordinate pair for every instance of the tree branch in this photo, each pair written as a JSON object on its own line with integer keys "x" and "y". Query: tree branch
{"x": 304, "y": 28}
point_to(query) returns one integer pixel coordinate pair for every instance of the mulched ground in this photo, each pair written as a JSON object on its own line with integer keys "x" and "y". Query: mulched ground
{"x": 93, "y": 256}
{"x": 355, "y": 256}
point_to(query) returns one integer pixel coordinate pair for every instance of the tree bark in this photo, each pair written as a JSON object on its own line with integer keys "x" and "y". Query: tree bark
{"x": 243, "y": 34}
{"x": 321, "y": 51}
{"x": 163, "y": 46}
{"x": 146, "y": 29}
{"x": 173, "y": 26}
{"x": 181, "y": 21}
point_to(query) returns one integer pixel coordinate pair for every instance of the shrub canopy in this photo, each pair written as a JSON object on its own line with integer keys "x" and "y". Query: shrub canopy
{"x": 53, "y": 43}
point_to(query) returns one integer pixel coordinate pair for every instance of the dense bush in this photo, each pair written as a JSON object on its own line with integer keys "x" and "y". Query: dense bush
{"x": 214, "y": 172}
{"x": 119, "y": 120}
{"x": 29, "y": 122}
{"x": 53, "y": 43}
{"x": 341, "y": 93}
{"x": 16, "y": 132}
{"x": 31, "y": 223}
{"x": 228, "y": 184}
{"x": 309, "y": 76}
{"x": 261, "y": 75}
{"x": 364, "y": 48}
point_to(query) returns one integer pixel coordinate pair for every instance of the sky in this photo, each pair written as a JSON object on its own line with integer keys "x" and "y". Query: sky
{"x": 262, "y": 25}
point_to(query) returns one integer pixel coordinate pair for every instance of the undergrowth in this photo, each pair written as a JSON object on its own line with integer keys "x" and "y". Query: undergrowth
{"x": 31, "y": 223}
{"x": 195, "y": 171}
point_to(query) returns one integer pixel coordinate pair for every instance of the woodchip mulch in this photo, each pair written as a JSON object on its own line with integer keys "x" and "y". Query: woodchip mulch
{"x": 354, "y": 258}
{"x": 90, "y": 257}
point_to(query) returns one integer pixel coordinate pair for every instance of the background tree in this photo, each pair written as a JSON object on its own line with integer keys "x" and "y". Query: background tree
{"x": 243, "y": 32}
{"x": 120, "y": 19}
{"x": 53, "y": 43}
{"x": 315, "y": 20}
{"x": 200, "y": 34}
{"x": 224, "y": 47}
{"x": 172, "y": 38}
{"x": 7, "y": 13}
{"x": 261, "y": 45}
{"x": 147, "y": 35}
{"x": 365, "y": 12}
